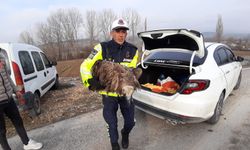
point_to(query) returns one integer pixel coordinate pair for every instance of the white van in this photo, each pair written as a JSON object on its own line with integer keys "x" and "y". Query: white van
{"x": 29, "y": 67}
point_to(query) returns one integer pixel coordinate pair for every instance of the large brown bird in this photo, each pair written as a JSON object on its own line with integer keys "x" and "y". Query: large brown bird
{"x": 117, "y": 78}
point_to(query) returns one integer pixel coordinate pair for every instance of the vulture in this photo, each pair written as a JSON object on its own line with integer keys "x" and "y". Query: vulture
{"x": 115, "y": 77}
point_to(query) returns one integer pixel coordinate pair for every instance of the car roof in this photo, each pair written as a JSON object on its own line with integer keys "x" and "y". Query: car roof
{"x": 212, "y": 46}
{"x": 19, "y": 46}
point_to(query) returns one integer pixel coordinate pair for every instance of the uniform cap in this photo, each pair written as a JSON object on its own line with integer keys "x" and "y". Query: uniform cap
{"x": 119, "y": 23}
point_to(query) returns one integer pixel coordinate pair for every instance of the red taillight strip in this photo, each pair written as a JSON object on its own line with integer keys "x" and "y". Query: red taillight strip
{"x": 19, "y": 81}
{"x": 195, "y": 85}
{"x": 18, "y": 76}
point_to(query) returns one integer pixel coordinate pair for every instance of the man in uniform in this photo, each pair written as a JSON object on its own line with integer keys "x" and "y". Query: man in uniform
{"x": 119, "y": 51}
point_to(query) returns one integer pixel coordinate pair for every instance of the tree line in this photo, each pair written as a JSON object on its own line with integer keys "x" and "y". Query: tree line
{"x": 68, "y": 34}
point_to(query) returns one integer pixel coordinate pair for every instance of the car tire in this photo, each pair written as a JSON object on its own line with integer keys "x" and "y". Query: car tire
{"x": 217, "y": 111}
{"x": 36, "y": 108}
{"x": 238, "y": 82}
{"x": 56, "y": 85}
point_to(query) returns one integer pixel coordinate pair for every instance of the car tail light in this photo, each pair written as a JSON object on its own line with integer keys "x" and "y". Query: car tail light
{"x": 195, "y": 85}
{"x": 19, "y": 80}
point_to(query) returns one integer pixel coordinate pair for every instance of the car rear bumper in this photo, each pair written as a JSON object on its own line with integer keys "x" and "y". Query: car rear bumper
{"x": 193, "y": 108}
{"x": 168, "y": 116}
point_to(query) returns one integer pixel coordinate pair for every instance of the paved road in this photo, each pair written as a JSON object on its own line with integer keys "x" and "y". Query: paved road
{"x": 87, "y": 132}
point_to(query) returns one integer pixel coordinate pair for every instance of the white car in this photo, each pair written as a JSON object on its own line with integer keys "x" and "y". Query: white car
{"x": 30, "y": 68}
{"x": 205, "y": 72}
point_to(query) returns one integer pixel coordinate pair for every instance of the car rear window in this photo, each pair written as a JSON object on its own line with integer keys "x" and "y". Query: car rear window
{"x": 178, "y": 58}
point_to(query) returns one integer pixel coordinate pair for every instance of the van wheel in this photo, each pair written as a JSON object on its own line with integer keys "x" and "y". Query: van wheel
{"x": 217, "y": 112}
{"x": 36, "y": 109}
{"x": 238, "y": 82}
{"x": 56, "y": 85}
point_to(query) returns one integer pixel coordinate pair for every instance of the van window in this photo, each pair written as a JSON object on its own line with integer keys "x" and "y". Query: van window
{"x": 3, "y": 55}
{"x": 26, "y": 62}
{"x": 38, "y": 61}
{"x": 45, "y": 60}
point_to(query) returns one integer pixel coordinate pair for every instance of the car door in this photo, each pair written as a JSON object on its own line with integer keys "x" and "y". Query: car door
{"x": 235, "y": 65}
{"x": 41, "y": 71}
{"x": 50, "y": 73}
{"x": 227, "y": 67}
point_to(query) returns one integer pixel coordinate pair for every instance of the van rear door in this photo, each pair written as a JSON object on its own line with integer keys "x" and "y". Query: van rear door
{"x": 32, "y": 78}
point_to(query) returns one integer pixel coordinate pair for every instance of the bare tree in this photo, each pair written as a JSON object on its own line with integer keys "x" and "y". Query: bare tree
{"x": 145, "y": 24}
{"x": 60, "y": 32}
{"x": 55, "y": 28}
{"x": 107, "y": 16}
{"x": 73, "y": 21}
{"x": 26, "y": 37}
{"x": 133, "y": 18}
{"x": 43, "y": 34}
{"x": 45, "y": 39}
{"x": 219, "y": 29}
{"x": 91, "y": 26}
{"x": 59, "y": 35}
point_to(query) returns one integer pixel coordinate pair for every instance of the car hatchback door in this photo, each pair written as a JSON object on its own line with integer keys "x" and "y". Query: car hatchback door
{"x": 174, "y": 40}
{"x": 182, "y": 40}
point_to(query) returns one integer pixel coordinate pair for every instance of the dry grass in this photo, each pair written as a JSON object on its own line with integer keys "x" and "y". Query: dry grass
{"x": 69, "y": 68}
{"x": 242, "y": 53}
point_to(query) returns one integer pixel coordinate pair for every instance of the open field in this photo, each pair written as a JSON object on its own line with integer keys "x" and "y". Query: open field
{"x": 242, "y": 53}
{"x": 69, "y": 68}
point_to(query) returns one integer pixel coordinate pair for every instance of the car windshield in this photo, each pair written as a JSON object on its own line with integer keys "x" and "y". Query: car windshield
{"x": 170, "y": 57}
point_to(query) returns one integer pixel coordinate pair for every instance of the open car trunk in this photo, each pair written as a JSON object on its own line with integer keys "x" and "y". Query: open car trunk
{"x": 172, "y": 56}
{"x": 151, "y": 76}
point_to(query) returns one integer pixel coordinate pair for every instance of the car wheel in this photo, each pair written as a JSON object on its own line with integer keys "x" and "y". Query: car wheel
{"x": 238, "y": 82}
{"x": 217, "y": 112}
{"x": 56, "y": 85}
{"x": 36, "y": 108}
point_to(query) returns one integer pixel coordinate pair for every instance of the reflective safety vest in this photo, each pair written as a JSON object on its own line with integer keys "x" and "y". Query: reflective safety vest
{"x": 125, "y": 54}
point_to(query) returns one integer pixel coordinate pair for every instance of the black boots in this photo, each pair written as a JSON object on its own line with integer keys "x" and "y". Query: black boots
{"x": 125, "y": 140}
{"x": 115, "y": 146}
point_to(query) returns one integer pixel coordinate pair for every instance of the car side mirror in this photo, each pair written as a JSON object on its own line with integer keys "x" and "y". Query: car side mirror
{"x": 54, "y": 63}
{"x": 239, "y": 58}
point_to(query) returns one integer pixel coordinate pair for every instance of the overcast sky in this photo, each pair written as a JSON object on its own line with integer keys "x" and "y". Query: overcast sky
{"x": 19, "y": 15}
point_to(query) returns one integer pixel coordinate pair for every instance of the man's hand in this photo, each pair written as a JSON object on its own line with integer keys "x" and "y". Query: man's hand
{"x": 95, "y": 84}
{"x": 19, "y": 95}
